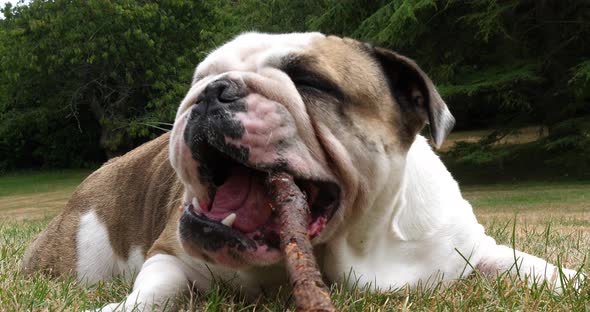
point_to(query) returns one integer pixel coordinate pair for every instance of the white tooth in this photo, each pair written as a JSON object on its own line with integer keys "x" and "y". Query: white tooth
{"x": 229, "y": 220}
{"x": 196, "y": 206}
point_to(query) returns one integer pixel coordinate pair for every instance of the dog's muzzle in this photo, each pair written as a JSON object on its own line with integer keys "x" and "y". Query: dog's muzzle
{"x": 234, "y": 222}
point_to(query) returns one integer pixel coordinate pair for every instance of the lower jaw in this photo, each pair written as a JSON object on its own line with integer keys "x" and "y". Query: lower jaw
{"x": 217, "y": 244}
{"x": 232, "y": 258}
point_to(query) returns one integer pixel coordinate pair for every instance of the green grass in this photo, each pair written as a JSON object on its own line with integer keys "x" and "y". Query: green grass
{"x": 524, "y": 196}
{"x": 40, "y": 182}
{"x": 552, "y": 221}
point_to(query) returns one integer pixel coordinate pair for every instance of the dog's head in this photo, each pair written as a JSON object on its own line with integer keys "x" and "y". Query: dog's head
{"x": 337, "y": 114}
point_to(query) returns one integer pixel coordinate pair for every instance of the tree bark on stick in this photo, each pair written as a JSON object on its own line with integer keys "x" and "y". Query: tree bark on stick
{"x": 309, "y": 290}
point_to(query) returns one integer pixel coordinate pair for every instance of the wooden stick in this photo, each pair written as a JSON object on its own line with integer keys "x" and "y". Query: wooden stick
{"x": 309, "y": 290}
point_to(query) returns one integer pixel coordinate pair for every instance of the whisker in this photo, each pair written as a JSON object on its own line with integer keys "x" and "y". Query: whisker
{"x": 155, "y": 127}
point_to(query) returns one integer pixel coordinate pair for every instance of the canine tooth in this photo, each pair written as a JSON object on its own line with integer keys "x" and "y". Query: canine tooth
{"x": 195, "y": 205}
{"x": 229, "y": 220}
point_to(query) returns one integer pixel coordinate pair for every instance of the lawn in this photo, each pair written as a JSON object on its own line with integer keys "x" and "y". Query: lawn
{"x": 550, "y": 220}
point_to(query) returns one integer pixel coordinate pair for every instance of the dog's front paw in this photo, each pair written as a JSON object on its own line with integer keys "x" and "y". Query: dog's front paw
{"x": 567, "y": 279}
{"x": 111, "y": 307}
{"x": 575, "y": 277}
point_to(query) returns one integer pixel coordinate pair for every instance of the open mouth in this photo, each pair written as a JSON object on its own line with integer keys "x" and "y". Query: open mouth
{"x": 240, "y": 211}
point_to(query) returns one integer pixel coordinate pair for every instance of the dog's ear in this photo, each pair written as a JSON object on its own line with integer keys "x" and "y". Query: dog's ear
{"x": 416, "y": 95}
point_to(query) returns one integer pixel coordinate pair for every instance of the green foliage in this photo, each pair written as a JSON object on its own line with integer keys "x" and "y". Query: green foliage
{"x": 473, "y": 81}
{"x": 581, "y": 80}
{"x": 488, "y": 17}
{"x": 396, "y": 24}
{"x": 82, "y": 74}
{"x": 111, "y": 73}
{"x": 570, "y": 143}
{"x": 480, "y": 154}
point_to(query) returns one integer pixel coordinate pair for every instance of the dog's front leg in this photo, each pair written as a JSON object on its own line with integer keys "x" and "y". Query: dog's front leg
{"x": 161, "y": 278}
{"x": 500, "y": 259}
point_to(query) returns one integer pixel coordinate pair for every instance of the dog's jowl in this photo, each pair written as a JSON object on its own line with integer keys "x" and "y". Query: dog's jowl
{"x": 339, "y": 115}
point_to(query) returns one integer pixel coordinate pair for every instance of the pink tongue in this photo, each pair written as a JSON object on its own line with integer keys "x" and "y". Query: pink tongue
{"x": 245, "y": 195}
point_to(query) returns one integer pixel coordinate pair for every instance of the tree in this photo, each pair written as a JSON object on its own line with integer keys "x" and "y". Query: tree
{"x": 125, "y": 65}
{"x": 73, "y": 71}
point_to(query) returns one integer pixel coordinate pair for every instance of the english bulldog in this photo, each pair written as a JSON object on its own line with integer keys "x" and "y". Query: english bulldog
{"x": 343, "y": 117}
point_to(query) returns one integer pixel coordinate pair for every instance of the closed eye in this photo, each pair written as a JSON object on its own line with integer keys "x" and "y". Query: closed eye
{"x": 308, "y": 81}
{"x": 317, "y": 83}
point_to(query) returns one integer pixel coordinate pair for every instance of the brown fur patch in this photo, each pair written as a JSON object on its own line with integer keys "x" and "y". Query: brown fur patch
{"x": 134, "y": 195}
{"x": 53, "y": 251}
{"x": 382, "y": 91}
{"x": 368, "y": 103}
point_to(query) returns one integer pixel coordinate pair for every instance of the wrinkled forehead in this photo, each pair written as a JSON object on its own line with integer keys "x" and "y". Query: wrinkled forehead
{"x": 251, "y": 51}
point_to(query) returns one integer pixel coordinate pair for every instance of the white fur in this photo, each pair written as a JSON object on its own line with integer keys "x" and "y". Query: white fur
{"x": 161, "y": 278}
{"x": 430, "y": 233}
{"x": 251, "y": 52}
{"x": 96, "y": 259}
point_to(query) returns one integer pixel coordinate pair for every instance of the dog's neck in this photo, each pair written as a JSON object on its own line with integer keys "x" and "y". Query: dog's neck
{"x": 411, "y": 210}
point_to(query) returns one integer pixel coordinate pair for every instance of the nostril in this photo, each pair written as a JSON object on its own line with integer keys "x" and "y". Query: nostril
{"x": 223, "y": 90}
{"x": 198, "y": 110}
{"x": 229, "y": 94}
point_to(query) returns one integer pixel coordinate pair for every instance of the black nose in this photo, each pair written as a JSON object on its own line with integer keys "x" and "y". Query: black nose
{"x": 217, "y": 95}
{"x": 213, "y": 118}
{"x": 223, "y": 90}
